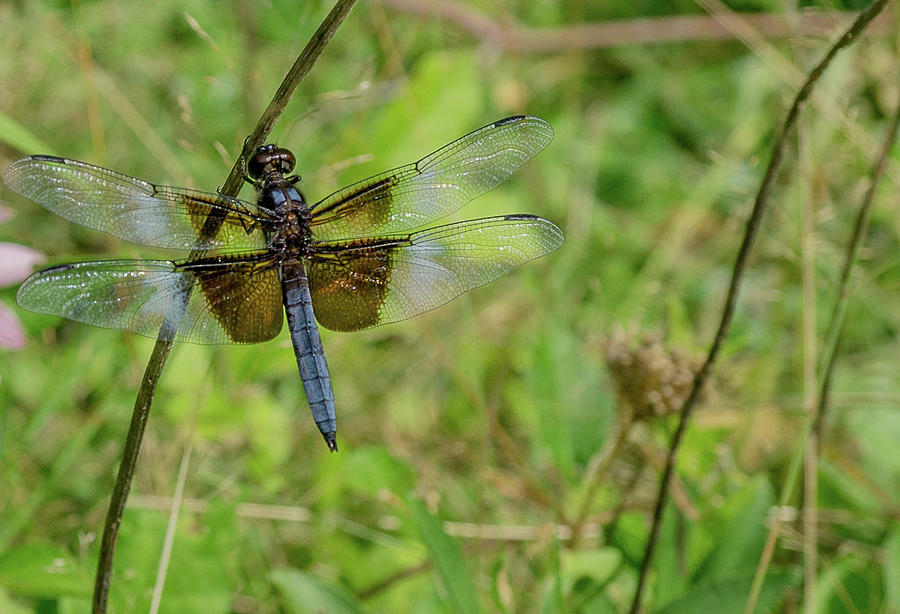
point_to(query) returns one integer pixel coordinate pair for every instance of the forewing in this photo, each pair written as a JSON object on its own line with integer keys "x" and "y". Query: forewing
{"x": 410, "y": 196}
{"x": 386, "y": 280}
{"x": 136, "y": 210}
{"x": 236, "y": 302}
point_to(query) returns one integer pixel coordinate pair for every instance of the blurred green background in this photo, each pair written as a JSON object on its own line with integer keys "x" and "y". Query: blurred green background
{"x": 502, "y": 453}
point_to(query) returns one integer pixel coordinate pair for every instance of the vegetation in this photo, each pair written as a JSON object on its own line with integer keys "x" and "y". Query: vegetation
{"x": 502, "y": 453}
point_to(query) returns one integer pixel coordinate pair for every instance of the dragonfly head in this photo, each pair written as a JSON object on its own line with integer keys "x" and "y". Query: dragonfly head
{"x": 270, "y": 161}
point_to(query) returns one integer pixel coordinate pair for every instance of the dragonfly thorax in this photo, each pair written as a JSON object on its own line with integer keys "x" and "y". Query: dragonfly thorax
{"x": 284, "y": 200}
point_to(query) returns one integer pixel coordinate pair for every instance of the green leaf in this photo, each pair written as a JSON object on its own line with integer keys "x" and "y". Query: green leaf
{"x": 9, "y": 606}
{"x": 553, "y": 598}
{"x": 730, "y": 596}
{"x": 671, "y": 579}
{"x": 199, "y": 573}
{"x": 552, "y": 377}
{"x": 371, "y": 469}
{"x": 72, "y": 605}
{"x": 304, "y": 592}
{"x": 876, "y": 429}
{"x": 447, "y": 557}
{"x": 892, "y": 570}
{"x": 740, "y": 533}
{"x": 630, "y": 537}
{"x": 19, "y": 137}
{"x": 42, "y": 570}
{"x": 831, "y": 581}
{"x": 840, "y": 488}
{"x": 586, "y": 575}
{"x": 598, "y": 564}
{"x": 852, "y": 579}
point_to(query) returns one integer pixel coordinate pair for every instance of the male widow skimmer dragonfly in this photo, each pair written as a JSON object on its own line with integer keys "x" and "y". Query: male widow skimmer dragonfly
{"x": 353, "y": 260}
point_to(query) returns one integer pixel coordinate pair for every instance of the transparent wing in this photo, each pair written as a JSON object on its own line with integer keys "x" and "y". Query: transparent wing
{"x": 133, "y": 209}
{"x": 410, "y": 196}
{"x": 229, "y": 302}
{"x": 369, "y": 282}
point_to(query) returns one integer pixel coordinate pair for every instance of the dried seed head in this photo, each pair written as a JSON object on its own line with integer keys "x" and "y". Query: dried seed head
{"x": 654, "y": 381}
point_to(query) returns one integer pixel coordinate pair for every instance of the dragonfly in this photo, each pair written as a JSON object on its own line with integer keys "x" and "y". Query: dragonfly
{"x": 358, "y": 258}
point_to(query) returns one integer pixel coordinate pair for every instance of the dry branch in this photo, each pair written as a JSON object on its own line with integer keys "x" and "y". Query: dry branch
{"x": 512, "y": 36}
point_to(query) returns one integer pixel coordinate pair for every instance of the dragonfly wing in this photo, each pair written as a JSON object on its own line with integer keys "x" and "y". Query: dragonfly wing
{"x": 365, "y": 283}
{"x": 136, "y": 210}
{"x": 410, "y": 196}
{"x": 232, "y": 302}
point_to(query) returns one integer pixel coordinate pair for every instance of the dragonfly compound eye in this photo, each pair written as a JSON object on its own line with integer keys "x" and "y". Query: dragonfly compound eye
{"x": 270, "y": 159}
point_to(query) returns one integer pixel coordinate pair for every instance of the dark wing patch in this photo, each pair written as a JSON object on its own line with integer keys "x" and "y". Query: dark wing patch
{"x": 410, "y": 196}
{"x": 136, "y": 210}
{"x": 349, "y": 289}
{"x": 368, "y": 282}
{"x": 244, "y": 297}
{"x": 232, "y": 302}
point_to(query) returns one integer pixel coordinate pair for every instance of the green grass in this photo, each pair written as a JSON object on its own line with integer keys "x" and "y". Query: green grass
{"x": 486, "y": 413}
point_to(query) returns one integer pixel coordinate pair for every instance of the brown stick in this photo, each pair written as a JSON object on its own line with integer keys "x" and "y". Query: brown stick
{"x": 517, "y": 38}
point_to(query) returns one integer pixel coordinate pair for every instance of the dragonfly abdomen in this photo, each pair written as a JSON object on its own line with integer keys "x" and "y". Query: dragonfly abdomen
{"x": 308, "y": 349}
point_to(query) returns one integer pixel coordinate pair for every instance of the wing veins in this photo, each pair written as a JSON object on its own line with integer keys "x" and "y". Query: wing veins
{"x": 136, "y": 210}
{"x": 409, "y": 196}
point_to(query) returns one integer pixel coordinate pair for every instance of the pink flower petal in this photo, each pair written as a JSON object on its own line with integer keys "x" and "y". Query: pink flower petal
{"x": 12, "y": 337}
{"x": 17, "y": 262}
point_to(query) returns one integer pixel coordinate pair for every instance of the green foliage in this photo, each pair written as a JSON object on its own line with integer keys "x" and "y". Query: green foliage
{"x": 892, "y": 569}
{"x": 17, "y": 136}
{"x": 201, "y": 574}
{"x": 43, "y": 570}
{"x": 304, "y": 593}
{"x": 740, "y": 533}
{"x": 466, "y": 434}
{"x": 447, "y": 558}
{"x": 719, "y": 596}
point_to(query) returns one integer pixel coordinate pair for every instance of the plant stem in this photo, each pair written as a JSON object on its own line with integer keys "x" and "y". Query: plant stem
{"x": 813, "y": 426}
{"x": 750, "y": 232}
{"x": 163, "y": 347}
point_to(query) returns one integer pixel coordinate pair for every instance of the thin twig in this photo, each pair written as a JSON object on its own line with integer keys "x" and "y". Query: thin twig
{"x": 598, "y": 467}
{"x": 383, "y": 585}
{"x": 169, "y": 540}
{"x": 126, "y": 472}
{"x": 751, "y": 230}
{"x": 163, "y": 346}
{"x": 814, "y": 424}
{"x": 814, "y": 432}
{"x": 282, "y": 96}
{"x": 810, "y": 533}
{"x": 509, "y": 35}
{"x": 92, "y": 105}
{"x": 777, "y": 521}
{"x": 836, "y": 323}
{"x": 388, "y": 523}
{"x": 794, "y": 77}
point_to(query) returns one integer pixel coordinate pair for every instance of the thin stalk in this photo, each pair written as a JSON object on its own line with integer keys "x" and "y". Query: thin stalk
{"x": 166, "y": 555}
{"x": 836, "y": 324}
{"x": 750, "y": 232}
{"x": 598, "y": 468}
{"x": 813, "y": 426}
{"x": 810, "y": 351}
{"x": 163, "y": 347}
